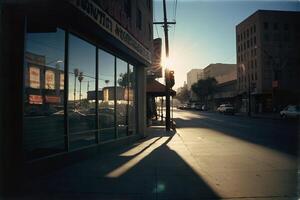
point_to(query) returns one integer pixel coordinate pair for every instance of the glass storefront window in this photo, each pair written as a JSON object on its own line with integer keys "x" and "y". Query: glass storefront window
{"x": 131, "y": 102}
{"x": 82, "y": 80}
{"x": 44, "y": 81}
{"x": 43, "y": 96}
{"x": 122, "y": 98}
{"x": 106, "y": 84}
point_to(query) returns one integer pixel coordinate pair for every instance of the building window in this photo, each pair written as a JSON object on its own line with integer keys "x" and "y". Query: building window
{"x": 106, "y": 104}
{"x": 254, "y": 28}
{"x": 122, "y": 98}
{"x": 266, "y": 25}
{"x": 254, "y": 40}
{"x": 44, "y": 131}
{"x": 139, "y": 19}
{"x": 131, "y": 101}
{"x": 247, "y": 33}
{"x": 248, "y": 43}
{"x": 82, "y": 81}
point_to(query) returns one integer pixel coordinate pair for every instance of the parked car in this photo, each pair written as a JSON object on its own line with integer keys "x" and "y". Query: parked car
{"x": 198, "y": 106}
{"x": 226, "y": 109}
{"x": 291, "y": 111}
{"x": 182, "y": 106}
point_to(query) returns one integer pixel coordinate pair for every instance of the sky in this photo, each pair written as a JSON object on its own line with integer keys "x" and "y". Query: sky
{"x": 205, "y": 30}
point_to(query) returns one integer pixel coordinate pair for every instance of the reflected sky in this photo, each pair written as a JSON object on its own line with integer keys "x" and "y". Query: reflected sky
{"x": 50, "y": 45}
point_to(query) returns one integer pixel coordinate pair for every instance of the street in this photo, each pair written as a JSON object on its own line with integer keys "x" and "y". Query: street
{"x": 211, "y": 156}
{"x": 242, "y": 157}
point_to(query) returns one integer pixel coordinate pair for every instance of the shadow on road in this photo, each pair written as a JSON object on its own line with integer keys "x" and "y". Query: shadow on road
{"x": 274, "y": 134}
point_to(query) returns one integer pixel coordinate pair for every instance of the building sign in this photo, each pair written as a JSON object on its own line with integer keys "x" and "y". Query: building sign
{"x": 128, "y": 94}
{"x": 52, "y": 99}
{"x": 105, "y": 94}
{"x": 94, "y": 12}
{"x": 61, "y": 81}
{"x": 156, "y": 69}
{"x": 49, "y": 79}
{"x": 35, "y": 99}
{"x": 34, "y": 77}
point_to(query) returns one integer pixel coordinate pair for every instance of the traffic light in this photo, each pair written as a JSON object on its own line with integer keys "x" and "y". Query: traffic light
{"x": 171, "y": 78}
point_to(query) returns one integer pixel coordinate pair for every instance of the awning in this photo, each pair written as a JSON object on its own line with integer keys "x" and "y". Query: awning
{"x": 156, "y": 89}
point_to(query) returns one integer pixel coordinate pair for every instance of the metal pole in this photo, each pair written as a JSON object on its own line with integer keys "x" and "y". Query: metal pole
{"x": 249, "y": 96}
{"x": 167, "y": 70}
{"x": 79, "y": 93}
{"x": 74, "y": 91}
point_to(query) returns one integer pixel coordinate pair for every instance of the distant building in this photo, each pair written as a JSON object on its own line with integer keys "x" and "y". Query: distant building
{"x": 226, "y": 76}
{"x": 268, "y": 46}
{"x": 221, "y": 72}
{"x": 192, "y": 77}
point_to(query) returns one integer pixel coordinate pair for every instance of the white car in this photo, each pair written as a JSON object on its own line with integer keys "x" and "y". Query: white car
{"x": 291, "y": 111}
{"x": 226, "y": 109}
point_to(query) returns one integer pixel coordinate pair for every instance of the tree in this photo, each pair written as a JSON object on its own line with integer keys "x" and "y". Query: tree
{"x": 183, "y": 94}
{"x": 204, "y": 88}
{"x": 123, "y": 79}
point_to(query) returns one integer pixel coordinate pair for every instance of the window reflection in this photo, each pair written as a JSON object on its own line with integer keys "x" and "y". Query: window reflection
{"x": 122, "y": 97}
{"x": 43, "y": 94}
{"x": 82, "y": 110}
{"x": 131, "y": 103}
{"x": 106, "y": 85}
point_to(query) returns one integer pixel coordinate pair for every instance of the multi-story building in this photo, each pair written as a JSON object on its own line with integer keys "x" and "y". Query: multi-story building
{"x": 57, "y": 58}
{"x": 192, "y": 77}
{"x": 268, "y": 46}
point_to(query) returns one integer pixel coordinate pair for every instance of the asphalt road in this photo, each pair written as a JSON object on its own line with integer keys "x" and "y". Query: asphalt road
{"x": 241, "y": 157}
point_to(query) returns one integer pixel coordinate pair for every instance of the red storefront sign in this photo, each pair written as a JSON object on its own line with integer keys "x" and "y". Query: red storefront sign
{"x": 52, "y": 99}
{"x": 35, "y": 99}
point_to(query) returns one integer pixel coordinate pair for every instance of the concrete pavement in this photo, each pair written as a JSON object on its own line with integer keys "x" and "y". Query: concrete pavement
{"x": 197, "y": 162}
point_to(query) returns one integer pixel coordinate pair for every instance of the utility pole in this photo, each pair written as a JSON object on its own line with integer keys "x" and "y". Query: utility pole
{"x": 165, "y": 26}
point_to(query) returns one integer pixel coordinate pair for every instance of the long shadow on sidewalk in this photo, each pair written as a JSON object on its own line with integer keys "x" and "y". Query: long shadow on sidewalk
{"x": 159, "y": 167}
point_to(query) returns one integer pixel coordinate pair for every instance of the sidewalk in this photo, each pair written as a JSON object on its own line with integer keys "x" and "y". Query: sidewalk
{"x": 158, "y": 167}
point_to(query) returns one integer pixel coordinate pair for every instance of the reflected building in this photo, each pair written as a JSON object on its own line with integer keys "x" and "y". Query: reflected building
{"x": 72, "y": 80}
